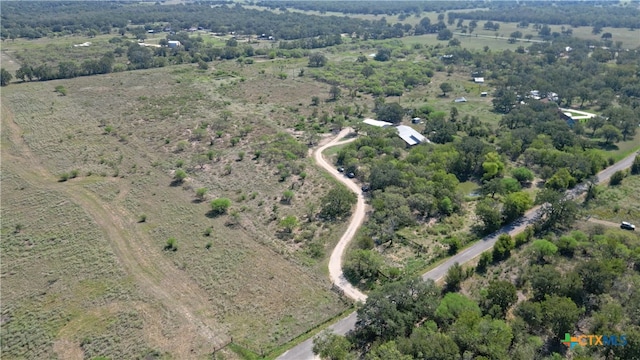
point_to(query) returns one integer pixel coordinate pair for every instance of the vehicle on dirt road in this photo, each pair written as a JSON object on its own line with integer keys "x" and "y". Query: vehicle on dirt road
{"x": 627, "y": 226}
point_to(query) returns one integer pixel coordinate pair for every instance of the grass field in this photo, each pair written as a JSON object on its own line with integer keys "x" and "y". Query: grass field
{"x": 617, "y": 203}
{"x": 125, "y": 134}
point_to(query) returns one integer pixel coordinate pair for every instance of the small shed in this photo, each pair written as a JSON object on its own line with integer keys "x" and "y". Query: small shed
{"x": 416, "y": 120}
{"x": 484, "y": 94}
{"x": 478, "y": 80}
{"x": 174, "y": 44}
{"x": 460, "y": 100}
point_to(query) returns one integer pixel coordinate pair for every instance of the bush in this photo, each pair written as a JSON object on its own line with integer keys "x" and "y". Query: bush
{"x": 179, "y": 175}
{"x": 142, "y": 218}
{"x": 63, "y": 177}
{"x": 172, "y": 244}
{"x": 486, "y": 258}
{"x": 617, "y": 177}
{"x": 220, "y": 206}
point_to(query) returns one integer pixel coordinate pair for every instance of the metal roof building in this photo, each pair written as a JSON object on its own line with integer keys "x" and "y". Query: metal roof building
{"x": 377, "y": 123}
{"x": 410, "y": 136}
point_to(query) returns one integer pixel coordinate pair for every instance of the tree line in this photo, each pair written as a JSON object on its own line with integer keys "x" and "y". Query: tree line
{"x": 565, "y": 283}
{"x": 575, "y": 14}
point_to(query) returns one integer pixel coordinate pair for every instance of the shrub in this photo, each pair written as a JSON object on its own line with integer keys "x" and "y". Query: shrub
{"x": 617, "y": 177}
{"x": 220, "y": 206}
{"x": 208, "y": 231}
{"x": 63, "y": 177}
{"x": 172, "y": 244}
{"x": 200, "y": 193}
{"x": 179, "y": 175}
{"x": 142, "y": 218}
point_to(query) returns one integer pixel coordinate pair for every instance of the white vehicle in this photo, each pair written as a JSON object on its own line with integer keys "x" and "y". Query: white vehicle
{"x": 627, "y": 226}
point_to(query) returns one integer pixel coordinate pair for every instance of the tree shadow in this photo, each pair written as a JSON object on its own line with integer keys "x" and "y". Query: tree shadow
{"x": 608, "y": 146}
{"x": 176, "y": 183}
{"x": 214, "y": 214}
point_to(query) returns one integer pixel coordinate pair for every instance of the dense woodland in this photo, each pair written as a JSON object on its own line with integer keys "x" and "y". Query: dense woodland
{"x": 40, "y": 19}
{"x": 561, "y": 13}
{"x": 516, "y": 308}
{"x": 367, "y": 7}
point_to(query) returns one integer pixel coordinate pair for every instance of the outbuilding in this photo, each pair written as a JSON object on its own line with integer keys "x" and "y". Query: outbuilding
{"x": 410, "y": 136}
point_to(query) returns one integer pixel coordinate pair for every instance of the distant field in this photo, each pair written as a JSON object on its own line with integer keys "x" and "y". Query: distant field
{"x": 630, "y": 39}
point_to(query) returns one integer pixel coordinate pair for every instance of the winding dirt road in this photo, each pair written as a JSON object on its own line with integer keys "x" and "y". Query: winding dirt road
{"x": 335, "y": 261}
{"x": 304, "y": 350}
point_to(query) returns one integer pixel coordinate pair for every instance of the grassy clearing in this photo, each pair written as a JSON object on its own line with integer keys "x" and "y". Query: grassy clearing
{"x": 617, "y": 203}
{"x": 63, "y": 291}
{"x": 126, "y": 133}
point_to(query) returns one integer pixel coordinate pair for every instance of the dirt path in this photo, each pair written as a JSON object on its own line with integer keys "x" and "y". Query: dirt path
{"x": 304, "y": 350}
{"x": 335, "y": 261}
{"x": 153, "y": 273}
{"x": 603, "y": 222}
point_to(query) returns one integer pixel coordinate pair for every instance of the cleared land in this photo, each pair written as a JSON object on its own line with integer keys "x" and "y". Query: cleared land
{"x": 126, "y": 134}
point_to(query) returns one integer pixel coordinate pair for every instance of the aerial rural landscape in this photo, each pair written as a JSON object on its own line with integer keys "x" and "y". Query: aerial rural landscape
{"x": 266, "y": 179}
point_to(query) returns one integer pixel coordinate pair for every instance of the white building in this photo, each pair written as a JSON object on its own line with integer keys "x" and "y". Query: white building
{"x": 377, "y": 123}
{"x": 410, "y": 136}
{"x": 174, "y": 44}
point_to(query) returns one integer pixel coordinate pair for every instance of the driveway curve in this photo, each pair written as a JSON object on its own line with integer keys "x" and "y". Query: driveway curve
{"x": 335, "y": 261}
{"x": 304, "y": 350}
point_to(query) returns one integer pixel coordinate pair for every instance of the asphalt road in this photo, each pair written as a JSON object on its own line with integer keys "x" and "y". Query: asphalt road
{"x": 304, "y": 350}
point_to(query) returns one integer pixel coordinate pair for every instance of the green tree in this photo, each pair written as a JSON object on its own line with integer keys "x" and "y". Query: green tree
{"x": 610, "y": 134}
{"x": 330, "y": 346}
{"x": 543, "y": 249}
{"x": 561, "y": 314}
{"x": 387, "y": 351}
{"x": 452, "y": 305}
{"x": 596, "y": 123}
{"x": 367, "y": 71}
{"x": 363, "y": 267}
{"x": 317, "y": 60}
{"x": 220, "y": 206}
{"x": 522, "y": 174}
{"x": 515, "y": 205}
{"x": 493, "y": 166}
{"x": 445, "y": 34}
{"x": 561, "y": 180}
{"x": 392, "y": 112}
{"x": 557, "y": 209}
{"x": 455, "y": 276}
{"x": 489, "y": 212}
{"x": 5, "y": 77}
{"x": 501, "y": 293}
{"x": 567, "y": 245}
{"x": 337, "y": 203}
{"x": 617, "y": 177}
{"x": 446, "y": 87}
{"x": 289, "y": 223}
{"x": 635, "y": 167}
{"x": 502, "y": 248}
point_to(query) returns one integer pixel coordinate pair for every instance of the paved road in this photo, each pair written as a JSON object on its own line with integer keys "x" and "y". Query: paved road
{"x": 304, "y": 350}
